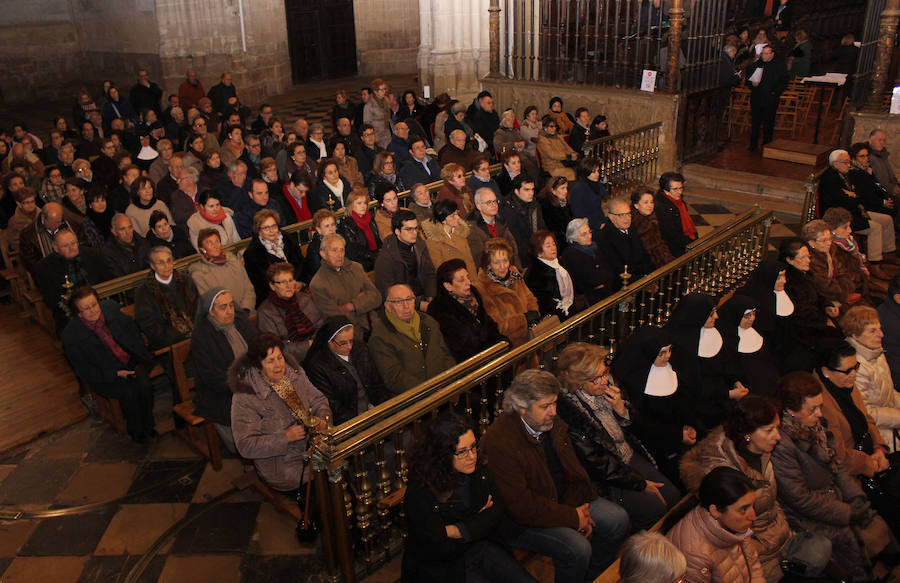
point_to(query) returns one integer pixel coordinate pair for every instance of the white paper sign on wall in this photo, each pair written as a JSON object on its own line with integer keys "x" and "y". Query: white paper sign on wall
{"x": 648, "y": 80}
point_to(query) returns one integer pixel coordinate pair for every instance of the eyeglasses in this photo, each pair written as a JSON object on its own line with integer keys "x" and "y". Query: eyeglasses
{"x": 601, "y": 378}
{"x": 465, "y": 451}
{"x": 489, "y": 202}
{"x": 284, "y": 281}
{"x": 342, "y": 343}
{"x": 268, "y": 227}
{"x": 367, "y": 134}
{"x": 853, "y": 368}
{"x": 402, "y": 301}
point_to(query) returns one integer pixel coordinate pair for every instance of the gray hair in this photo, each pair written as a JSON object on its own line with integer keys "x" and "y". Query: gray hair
{"x": 160, "y": 249}
{"x": 332, "y": 237}
{"x": 528, "y": 387}
{"x": 233, "y": 167}
{"x": 835, "y": 154}
{"x": 118, "y": 216}
{"x": 192, "y": 172}
{"x": 875, "y": 132}
{"x": 573, "y": 227}
{"x": 649, "y": 557}
{"x": 479, "y": 191}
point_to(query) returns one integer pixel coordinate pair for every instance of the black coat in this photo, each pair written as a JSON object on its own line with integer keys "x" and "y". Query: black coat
{"x": 365, "y": 159}
{"x": 357, "y": 247}
{"x": 431, "y": 556}
{"x": 92, "y": 360}
{"x": 595, "y": 447}
{"x": 464, "y": 333}
{"x": 831, "y": 194}
{"x": 578, "y": 137}
{"x": 591, "y": 274}
{"x": 212, "y": 355}
{"x": 541, "y": 280}
{"x": 180, "y": 244}
{"x": 520, "y": 218}
{"x": 670, "y": 225}
{"x": 774, "y": 81}
{"x": 557, "y": 218}
{"x": 121, "y": 261}
{"x": 257, "y": 261}
{"x": 149, "y": 315}
{"x": 870, "y": 192}
{"x": 412, "y": 172}
{"x": 485, "y": 123}
{"x": 319, "y": 196}
{"x": 621, "y": 249}
{"x": 49, "y": 276}
{"x": 312, "y": 260}
{"x": 334, "y": 380}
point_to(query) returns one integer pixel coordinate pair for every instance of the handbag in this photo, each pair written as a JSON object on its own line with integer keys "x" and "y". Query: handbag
{"x": 806, "y": 554}
{"x": 546, "y": 325}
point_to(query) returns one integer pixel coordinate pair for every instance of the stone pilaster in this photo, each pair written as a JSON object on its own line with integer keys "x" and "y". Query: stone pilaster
{"x": 454, "y": 51}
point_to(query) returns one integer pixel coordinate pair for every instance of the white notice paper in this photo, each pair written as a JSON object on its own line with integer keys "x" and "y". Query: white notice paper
{"x": 895, "y": 100}
{"x": 756, "y": 77}
{"x": 648, "y": 80}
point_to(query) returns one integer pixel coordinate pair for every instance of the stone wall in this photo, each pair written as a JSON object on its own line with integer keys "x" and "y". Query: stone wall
{"x": 387, "y": 36}
{"x": 38, "y": 47}
{"x": 625, "y": 109}
{"x": 454, "y": 52}
{"x": 864, "y": 123}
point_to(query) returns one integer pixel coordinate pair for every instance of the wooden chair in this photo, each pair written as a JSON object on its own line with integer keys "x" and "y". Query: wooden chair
{"x": 190, "y": 433}
{"x": 786, "y": 116}
{"x": 108, "y": 409}
{"x": 10, "y": 272}
{"x": 839, "y": 121}
{"x": 38, "y": 309}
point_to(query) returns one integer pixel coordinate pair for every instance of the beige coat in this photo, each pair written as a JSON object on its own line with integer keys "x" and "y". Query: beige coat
{"x": 856, "y": 462}
{"x": 231, "y": 276}
{"x": 875, "y": 386}
{"x": 227, "y": 231}
{"x": 770, "y": 529}
{"x": 331, "y": 287}
{"x": 443, "y": 247}
{"x": 507, "y": 306}
{"x": 553, "y": 150}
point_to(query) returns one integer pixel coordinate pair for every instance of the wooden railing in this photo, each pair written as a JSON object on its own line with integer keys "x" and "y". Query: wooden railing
{"x": 360, "y": 469}
{"x": 629, "y": 159}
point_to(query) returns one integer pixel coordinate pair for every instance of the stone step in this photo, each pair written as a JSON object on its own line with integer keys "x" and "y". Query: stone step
{"x": 787, "y": 211}
{"x": 758, "y": 185}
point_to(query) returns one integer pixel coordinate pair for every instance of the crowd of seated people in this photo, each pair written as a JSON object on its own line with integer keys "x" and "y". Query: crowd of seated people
{"x": 389, "y": 296}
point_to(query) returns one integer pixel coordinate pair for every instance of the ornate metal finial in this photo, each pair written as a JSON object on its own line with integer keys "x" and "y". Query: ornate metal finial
{"x": 67, "y": 286}
{"x": 625, "y": 277}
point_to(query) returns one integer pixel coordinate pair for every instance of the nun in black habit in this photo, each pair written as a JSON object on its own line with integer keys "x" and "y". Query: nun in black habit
{"x": 664, "y": 418}
{"x": 745, "y": 347}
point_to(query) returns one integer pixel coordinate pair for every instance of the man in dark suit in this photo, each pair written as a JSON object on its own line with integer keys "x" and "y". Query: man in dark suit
{"x": 422, "y": 168}
{"x": 621, "y": 244}
{"x": 769, "y": 77}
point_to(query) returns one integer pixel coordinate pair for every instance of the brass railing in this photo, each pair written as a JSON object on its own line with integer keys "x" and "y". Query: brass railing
{"x": 118, "y": 288}
{"x": 629, "y": 159}
{"x": 811, "y": 197}
{"x": 360, "y": 475}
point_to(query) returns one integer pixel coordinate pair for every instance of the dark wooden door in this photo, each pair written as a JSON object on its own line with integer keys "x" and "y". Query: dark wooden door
{"x": 321, "y": 39}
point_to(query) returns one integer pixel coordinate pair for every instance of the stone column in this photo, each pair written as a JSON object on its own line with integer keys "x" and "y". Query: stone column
{"x": 454, "y": 49}
{"x": 887, "y": 35}
{"x": 676, "y": 21}
{"x": 494, "y": 11}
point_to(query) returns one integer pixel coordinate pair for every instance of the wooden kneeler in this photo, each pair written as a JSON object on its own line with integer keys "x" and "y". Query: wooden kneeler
{"x": 194, "y": 424}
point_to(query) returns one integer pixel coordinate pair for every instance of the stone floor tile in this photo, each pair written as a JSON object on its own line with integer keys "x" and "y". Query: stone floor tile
{"x": 72, "y": 442}
{"x": 213, "y": 482}
{"x": 98, "y": 482}
{"x": 202, "y": 569}
{"x": 223, "y": 528}
{"x": 109, "y": 569}
{"x": 112, "y": 447}
{"x": 13, "y": 535}
{"x": 257, "y": 569}
{"x": 77, "y": 534}
{"x": 170, "y": 446}
{"x": 44, "y": 570}
{"x": 36, "y": 481}
{"x": 176, "y": 481}
{"x": 275, "y": 534}
{"x": 135, "y": 528}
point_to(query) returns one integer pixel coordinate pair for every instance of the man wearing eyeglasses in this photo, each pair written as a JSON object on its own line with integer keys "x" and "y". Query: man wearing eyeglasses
{"x": 365, "y": 154}
{"x": 620, "y": 244}
{"x": 340, "y": 287}
{"x": 407, "y": 344}
{"x": 486, "y": 223}
{"x": 405, "y": 259}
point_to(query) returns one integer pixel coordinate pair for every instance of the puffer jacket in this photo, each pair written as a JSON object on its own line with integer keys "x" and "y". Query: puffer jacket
{"x": 715, "y": 555}
{"x": 443, "y": 247}
{"x": 259, "y": 418}
{"x": 507, "y": 306}
{"x": 875, "y": 386}
{"x": 771, "y": 532}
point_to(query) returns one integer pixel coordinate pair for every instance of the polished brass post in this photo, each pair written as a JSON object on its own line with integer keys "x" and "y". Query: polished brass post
{"x": 676, "y": 20}
{"x": 887, "y": 35}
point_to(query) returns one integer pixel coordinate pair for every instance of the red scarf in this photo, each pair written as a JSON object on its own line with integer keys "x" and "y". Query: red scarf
{"x": 364, "y": 222}
{"x": 687, "y": 223}
{"x": 300, "y": 210}
{"x": 214, "y": 220}
{"x": 220, "y": 259}
{"x": 298, "y": 324}
{"x": 102, "y": 331}
{"x": 492, "y": 229}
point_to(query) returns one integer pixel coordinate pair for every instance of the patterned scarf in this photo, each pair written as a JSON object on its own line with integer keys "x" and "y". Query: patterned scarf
{"x": 601, "y": 411}
{"x": 102, "y": 331}
{"x": 299, "y": 326}
{"x": 468, "y": 301}
{"x": 817, "y": 441}
{"x": 180, "y": 321}
{"x": 219, "y": 260}
{"x": 276, "y": 247}
{"x": 511, "y": 277}
{"x": 285, "y": 391}
{"x": 849, "y": 245}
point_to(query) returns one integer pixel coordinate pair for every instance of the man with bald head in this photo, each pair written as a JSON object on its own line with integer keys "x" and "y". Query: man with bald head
{"x": 191, "y": 90}
{"x": 80, "y": 265}
{"x": 406, "y": 344}
{"x": 36, "y": 240}
{"x": 125, "y": 252}
{"x": 399, "y": 143}
{"x": 457, "y": 150}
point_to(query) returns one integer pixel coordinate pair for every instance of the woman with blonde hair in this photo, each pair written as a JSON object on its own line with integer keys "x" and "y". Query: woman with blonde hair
{"x": 455, "y": 189}
{"x": 377, "y": 113}
{"x": 649, "y": 557}
{"x": 506, "y": 297}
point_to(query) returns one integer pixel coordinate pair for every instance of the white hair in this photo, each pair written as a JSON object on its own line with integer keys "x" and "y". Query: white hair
{"x": 573, "y": 227}
{"x": 835, "y": 155}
